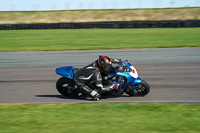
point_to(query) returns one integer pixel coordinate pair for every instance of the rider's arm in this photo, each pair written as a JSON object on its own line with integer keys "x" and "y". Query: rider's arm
{"x": 110, "y": 75}
{"x": 102, "y": 88}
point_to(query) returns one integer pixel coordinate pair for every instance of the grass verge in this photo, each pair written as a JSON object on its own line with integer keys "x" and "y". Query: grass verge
{"x": 93, "y": 39}
{"x": 98, "y": 118}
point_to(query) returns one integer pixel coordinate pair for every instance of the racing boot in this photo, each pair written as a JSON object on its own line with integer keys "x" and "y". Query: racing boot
{"x": 91, "y": 93}
{"x": 95, "y": 95}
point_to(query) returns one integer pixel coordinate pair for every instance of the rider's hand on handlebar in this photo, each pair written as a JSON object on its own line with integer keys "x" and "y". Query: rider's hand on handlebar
{"x": 119, "y": 61}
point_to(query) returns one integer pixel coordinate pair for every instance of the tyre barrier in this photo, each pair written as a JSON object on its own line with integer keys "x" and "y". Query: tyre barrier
{"x": 112, "y": 25}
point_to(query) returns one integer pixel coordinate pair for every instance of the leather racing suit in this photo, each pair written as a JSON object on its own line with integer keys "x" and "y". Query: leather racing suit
{"x": 90, "y": 80}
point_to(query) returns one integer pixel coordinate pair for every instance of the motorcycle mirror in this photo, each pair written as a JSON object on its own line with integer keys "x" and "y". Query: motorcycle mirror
{"x": 126, "y": 60}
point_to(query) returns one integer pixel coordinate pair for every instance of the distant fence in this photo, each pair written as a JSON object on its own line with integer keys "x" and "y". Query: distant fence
{"x": 113, "y": 24}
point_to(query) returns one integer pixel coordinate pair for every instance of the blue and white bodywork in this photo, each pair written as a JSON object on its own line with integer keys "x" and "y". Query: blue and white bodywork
{"x": 130, "y": 73}
{"x": 126, "y": 76}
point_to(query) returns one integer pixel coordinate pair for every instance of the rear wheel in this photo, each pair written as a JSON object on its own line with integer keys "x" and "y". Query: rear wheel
{"x": 65, "y": 87}
{"x": 141, "y": 89}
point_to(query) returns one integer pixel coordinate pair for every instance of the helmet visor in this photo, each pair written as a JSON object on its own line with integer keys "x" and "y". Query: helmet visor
{"x": 106, "y": 67}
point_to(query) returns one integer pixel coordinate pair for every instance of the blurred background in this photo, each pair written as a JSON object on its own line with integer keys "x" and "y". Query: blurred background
{"x": 70, "y": 12}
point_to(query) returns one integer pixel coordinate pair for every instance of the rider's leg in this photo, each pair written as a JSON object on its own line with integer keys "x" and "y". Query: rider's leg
{"x": 91, "y": 93}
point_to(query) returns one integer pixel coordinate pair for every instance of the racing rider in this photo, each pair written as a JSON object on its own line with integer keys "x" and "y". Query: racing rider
{"x": 91, "y": 77}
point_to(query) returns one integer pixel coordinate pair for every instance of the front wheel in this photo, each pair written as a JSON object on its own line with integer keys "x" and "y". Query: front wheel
{"x": 141, "y": 89}
{"x": 65, "y": 87}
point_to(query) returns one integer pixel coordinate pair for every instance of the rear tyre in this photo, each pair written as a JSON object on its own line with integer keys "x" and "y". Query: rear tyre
{"x": 141, "y": 89}
{"x": 65, "y": 87}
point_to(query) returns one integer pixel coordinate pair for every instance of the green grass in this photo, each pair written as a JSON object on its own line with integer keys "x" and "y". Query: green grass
{"x": 100, "y": 118}
{"x": 92, "y": 39}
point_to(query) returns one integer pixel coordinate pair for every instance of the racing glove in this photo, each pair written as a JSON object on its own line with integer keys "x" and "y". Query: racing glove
{"x": 116, "y": 86}
{"x": 117, "y": 61}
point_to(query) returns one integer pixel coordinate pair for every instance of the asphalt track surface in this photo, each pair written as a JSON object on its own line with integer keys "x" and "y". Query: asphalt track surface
{"x": 29, "y": 77}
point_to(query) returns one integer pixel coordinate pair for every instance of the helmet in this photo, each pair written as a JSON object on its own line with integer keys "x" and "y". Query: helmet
{"x": 104, "y": 63}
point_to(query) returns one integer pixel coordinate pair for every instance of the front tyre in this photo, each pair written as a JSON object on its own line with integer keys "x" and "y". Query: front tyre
{"x": 65, "y": 87}
{"x": 141, "y": 89}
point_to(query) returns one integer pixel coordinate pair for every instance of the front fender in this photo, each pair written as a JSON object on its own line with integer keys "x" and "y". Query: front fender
{"x": 137, "y": 80}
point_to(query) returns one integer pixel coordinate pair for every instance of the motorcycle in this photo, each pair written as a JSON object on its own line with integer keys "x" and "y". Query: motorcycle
{"x": 126, "y": 76}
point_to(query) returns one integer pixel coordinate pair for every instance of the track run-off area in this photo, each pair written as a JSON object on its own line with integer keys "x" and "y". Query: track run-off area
{"x": 29, "y": 77}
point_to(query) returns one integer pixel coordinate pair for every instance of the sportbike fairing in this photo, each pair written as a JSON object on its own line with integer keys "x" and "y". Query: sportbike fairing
{"x": 129, "y": 72}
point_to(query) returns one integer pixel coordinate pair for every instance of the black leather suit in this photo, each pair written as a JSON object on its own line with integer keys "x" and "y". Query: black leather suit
{"x": 89, "y": 78}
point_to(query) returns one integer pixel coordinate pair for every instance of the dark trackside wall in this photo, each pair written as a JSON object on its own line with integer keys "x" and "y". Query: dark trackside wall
{"x": 112, "y": 25}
